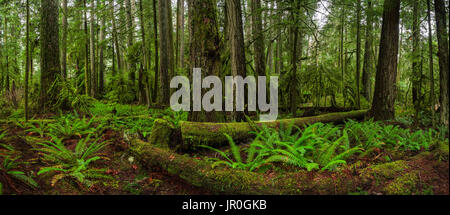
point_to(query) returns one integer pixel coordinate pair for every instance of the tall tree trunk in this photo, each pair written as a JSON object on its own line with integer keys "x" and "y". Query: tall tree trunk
{"x": 92, "y": 51}
{"x": 156, "y": 48}
{"x": 180, "y": 34}
{"x": 166, "y": 68}
{"x": 143, "y": 77}
{"x": 443, "y": 54}
{"x": 64, "y": 39}
{"x": 236, "y": 40}
{"x": 358, "y": 53}
{"x": 385, "y": 81}
{"x": 130, "y": 30}
{"x": 50, "y": 67}
{"x": 204, "y": 46}
{"x": 101, "y": 63}
{"x": 416, "y": 59}
{"x": 27, "y": 53}
{"x": 293, "y": 83}
{"x": 258, "y": 38}
{"x": 430, "y": 53}
{"x": 368, "y": 50}
{"x": 7, "y": 56}
{"x": 115, "y": 37}
{"x": 87, "y": 73}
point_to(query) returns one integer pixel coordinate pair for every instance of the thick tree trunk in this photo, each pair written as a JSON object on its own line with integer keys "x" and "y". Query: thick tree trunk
{"x": 204, "y": 47}
{"x": 368, "y": 52}
{"x": 156, "y": 48}
{"x": 50, "y": 67}
{"x": 293, "y": 94}
{"x": 237, "y": 48}
{"x": 258, "y": 38}
{"x": 166, "y": 51}
{"x": 443, "y": 54}
{"x": 385, "y": 81}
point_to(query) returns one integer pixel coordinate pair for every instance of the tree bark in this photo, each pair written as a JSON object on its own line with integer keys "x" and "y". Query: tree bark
{"x": 358, "y": 53}
{"x": 385, "y": 81}
{"x": 258, "y": 38}
{"x": 443, "y": 55}
{"x": 430, "y": 53}
{"x": 180, "y": 34}
{"x": 27, "y": 53}
{"x": 236, "y": 40}
{"x": 101, "y": 66}
{"x": 50, "y": 67}
{"x": 64, "y": 40}
{"x": 156, "y": 48}
{"x": 166, "y": 51}
{"x": 368, "y": 51}
{"x": 416, "y": 59}
{"x": 92, "y": 51}
{"x": 204, "y": 47}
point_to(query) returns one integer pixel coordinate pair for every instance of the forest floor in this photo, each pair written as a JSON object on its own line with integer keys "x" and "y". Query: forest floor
{"x": 382, "y": 171}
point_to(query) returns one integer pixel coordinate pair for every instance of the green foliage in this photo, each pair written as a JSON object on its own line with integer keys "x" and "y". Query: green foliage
{"x": 65, "y": 163}
{"x": 67, "y": 126}
{"x": 9, "y": 159}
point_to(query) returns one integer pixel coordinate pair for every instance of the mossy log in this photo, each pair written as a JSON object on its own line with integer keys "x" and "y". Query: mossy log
{"x": 233, "y": 181}
{"x": 198, "y": 133}
{"x": 397, "y": 177}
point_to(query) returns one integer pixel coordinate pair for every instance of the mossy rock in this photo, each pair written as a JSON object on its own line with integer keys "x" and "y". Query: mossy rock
{"x": 161, "y": 132}
{"x": 383, "y": 171}
{"x": 403, "y": 185}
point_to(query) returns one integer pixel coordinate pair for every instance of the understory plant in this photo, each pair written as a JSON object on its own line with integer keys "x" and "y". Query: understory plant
{"x": 9, "y": 160}
{"x": 74, "y": 164}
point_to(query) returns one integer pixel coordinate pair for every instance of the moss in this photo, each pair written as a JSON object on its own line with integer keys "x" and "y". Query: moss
{"x": 441, "y": 152}
{"x": 161, "y": 132}
{"x": 403, "y": 185}
{"x": 383, "y": 171}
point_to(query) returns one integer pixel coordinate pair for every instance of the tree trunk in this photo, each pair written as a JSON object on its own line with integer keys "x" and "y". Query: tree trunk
{"x": 204, "y": 46}
{"x": 64, "y": 40}
{"x": 156, "y": 48}
{"x": 416, "y": 59}
{"x": 368, "y": 50}
{"x": 358, "y": 53}
{"x": 115, "y": 37}
{"x": 143, "y": 77}
{"x": 27, "y": 53}
{"x": 92, "y": 51}
{"x": 258, "y": 38}
{"x": 87, "y": 73}
{"x": 443, "y": 54}
{"x": 101, "y": 66}
{"x": 236, "y": 40}
{"x": 430, "y": 53}
{"x": 385, "y": 81}
{"x": 293, "y": 94}
{"x": 50, "y": 67}
{"x": 180, "y": 35}
{"x": 166, "y": 68}
{"x": 130, "y": 30}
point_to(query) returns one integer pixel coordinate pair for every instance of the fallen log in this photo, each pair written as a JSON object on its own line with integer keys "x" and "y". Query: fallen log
{"x": 398, "y": 177}
{"x": 206, "y": 133}
{"x": 233, "y": 181}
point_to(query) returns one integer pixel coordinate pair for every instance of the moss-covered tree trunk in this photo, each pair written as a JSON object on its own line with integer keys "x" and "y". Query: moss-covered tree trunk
{"x": 204, "y": 46}
{"x": 50, "y": 67}
{"x": 166, "y": 51}
{"x": 443, "y": 55}
{"x": 368, "y": 54}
